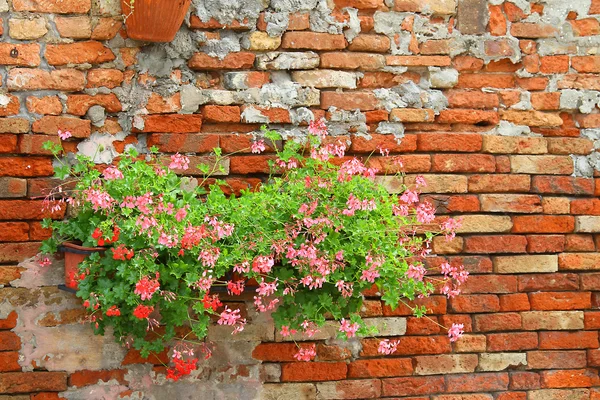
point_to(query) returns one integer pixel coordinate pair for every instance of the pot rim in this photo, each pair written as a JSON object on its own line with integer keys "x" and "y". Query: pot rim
{"x": 72, "y": 247}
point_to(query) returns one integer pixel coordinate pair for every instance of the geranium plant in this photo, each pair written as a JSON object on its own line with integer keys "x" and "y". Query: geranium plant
{"x": 313, "y": 237}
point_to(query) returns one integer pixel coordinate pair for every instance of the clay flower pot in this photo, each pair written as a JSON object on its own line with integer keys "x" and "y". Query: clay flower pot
{"x": 154, "y": 20}
{"x": 74, "y": 254}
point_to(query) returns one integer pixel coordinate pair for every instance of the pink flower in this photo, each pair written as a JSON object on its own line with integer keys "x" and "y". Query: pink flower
{"x": 420, "y": 181}
{"x": 44, "y": 262}
{"x": 286, "y": 331}
{"x": 348, "y": 328}
{"x": 99, "y": 199}
{"x": 388, "y": 347}
{"x": 229, "y": 316}
{"x": 306, "y": 353}
{"x": 425, "y": 213}
{"x": 410, "y": 197}
{"x": 146, "y": 287}
{"x": 416, "y": 272}
{"x": 64, "y": 135}
{"x": 456, "y": 332}
{"x": 262, "y": 264}
{"x": 179, "y": 161}
{"x": 180, "y": 214}
{"x": 266, "y": 289}
{"x": 258, "y": 146}
{"x": 111, "y": 173}
{"x": 318, "y": 128}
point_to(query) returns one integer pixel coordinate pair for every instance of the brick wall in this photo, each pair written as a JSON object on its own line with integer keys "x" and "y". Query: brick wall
{"x": 496, "y": 103}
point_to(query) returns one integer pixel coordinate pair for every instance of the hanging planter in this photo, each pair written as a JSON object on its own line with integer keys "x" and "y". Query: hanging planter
{"x": 154, "y": 20}
{"x": 74, "y": 255}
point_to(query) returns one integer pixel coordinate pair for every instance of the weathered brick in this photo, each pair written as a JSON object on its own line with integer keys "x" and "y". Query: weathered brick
{"x": 50, "y": 125}
{"x": 324, "y": 78}
{"x": 501, "y": 361}
{"x": 579, "y": 261}
{"x": 552, "y": 320}
{"x": 556, "y": 359}
{"x": 559, "y": 394}
{"x": 27, "y": 29}
{"x": 21, "y": 79}
{"x": 359, "y": 389}
{"x": 517, "y": 341}
{"x": 104, "y": 77}
{"x": 587, "y": 224}
{"x": 91, "y": 52}
{"x": 525, "y": 264}
{"x": 412, "y": 386}
{"x": 483, "y": 382}
{"x": 74, "y": 27}
{"x": 466, "y": 116}
{"x": 445, "y": 364}
{"x": 313, "y": 41}
{"x": 240, "y": 60}
{"x": 562, "y": 185}
{"x": 514, "y": 145}
{"x": 511, "y": 203}
{"x": 363, "y": 101}
{"x": 370, "y": 43}
{"x": 26, "y": 382}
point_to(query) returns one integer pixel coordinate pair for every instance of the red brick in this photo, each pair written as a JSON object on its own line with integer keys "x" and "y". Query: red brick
{"x": 568, "y": 340}
{"x": 497, "y": 322}
{"x": 87, "y": 377}
{"x": 556, "y": 359}
{"x": 467, "y": 63}
{"x": 313, "y": 41}
{"x": 545, "y": 243}
{"x": 471, "y": 99}
{"x": 26, "y": 382}
{"x": 585, "y": 64}
{"x": 560, "y": 301}
{"x": 499, "y": 48}
{"x": 585, "y": 27}
{"x": 362, "y": 145}
{"x": 275, "y": 352}
{"x": 26, "y": 167}
{"x": 64, "y": 7}
{"x": 562, "y": 185}
{"x": 362, "y": 61}
{"x": 409, "y": 346}
{"x": 517, "y": 341}
{"x": 475, "y": 303}
{"x": 377, "y": 368}
{"x": 554, "y": 64}
{"x": 495, "y": 244}
{"x": 14, "y": 231}
{"x": 212, "y": 113}
{"x": 8, "y": 274}
{"x": 514, "y": 302}
{"x": 499, "y": 183}
{"x": 11, "y": 108}
{"x": 49, "y": 105}
{"x": 9, "y": 361}
{"x": 461, "y": 142}
{"x": 185, "y": 143}
{"x": 91, "y": 52}
{"x": 79, "y": 104}
{"x": 27, "y": 55}
{"x": 433, "y": 305}
{"x": 173, "y": 123}
{"x": 570, "y": 146}
{"x": 109, "y": 78}
{"x": 532, "y": 30}
{"x": 359, "y": 4}
{"x": 275, "y": 115}
{"x": 50, "y": 125}
{"x": 490, "y": 284}
{"x": 240, "y": 60}
{"x": 521, "y": 380}
{"x": 482, "y": 382}
{"x": 497, "y": 21}
{"x": 10, "y": 321}
{"x": 442, "y": 61}
{"x": 479, "y": 81}
{"x": 585, "y": 206}
{"x": 467, "y": 116}
{"x": 545, "y": 101}
{"x": 543, "y": 224}
{"x": 570, "y": 378}
{"x": 412, "y": 386}
{"x": 576, "y": 242}
{"x": 546, "y": 282}
{"x": 8, "y": 143}
{"x": 422, "y": 326}
{"x": 313, "y": 371}
{"x": 363, "y": 101}
{"x": 249, "y": 164}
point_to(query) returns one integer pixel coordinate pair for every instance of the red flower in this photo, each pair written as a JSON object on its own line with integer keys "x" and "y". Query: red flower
{"x": 122, "y": 253}
{"x": 99, "y": 236}
{"x": 113, "y": 311}
{"x": 142, "y": 311}
{"x": 211, "y": 302}
{"x": 182, "y": 368}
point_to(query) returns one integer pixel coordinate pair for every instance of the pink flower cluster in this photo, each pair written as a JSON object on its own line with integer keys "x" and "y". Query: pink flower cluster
{"x": 353, "y": 204}
{"x": 179, "y": 161}
{"x": 306, "y": 353}
{"x": 146, "y": 287}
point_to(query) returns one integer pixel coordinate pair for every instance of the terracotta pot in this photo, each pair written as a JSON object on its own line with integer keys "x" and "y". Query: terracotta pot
{"x": 75, "y": 254}
{"x": 154, "y": 20}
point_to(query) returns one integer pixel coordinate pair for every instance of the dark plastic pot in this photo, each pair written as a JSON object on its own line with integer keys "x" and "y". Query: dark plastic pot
{"x": 154, "y": 20}
{"x": 75, "y": 254}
